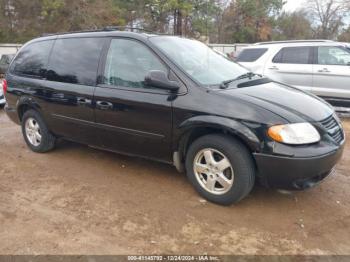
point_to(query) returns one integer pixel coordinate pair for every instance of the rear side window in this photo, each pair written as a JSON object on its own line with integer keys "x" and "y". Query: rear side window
{"x": 75, "y": 60}
{"x": 251, "y": 55}
{"x": 32, "y": 60}
{"x": 293, "y": 55}
{"x": 333, "y": 55}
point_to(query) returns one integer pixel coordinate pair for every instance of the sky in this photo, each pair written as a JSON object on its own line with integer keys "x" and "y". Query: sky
{"x": 293, "y": 5}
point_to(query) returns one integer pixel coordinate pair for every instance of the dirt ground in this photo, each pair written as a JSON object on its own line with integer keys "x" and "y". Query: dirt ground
{"x": 78, "y": 200}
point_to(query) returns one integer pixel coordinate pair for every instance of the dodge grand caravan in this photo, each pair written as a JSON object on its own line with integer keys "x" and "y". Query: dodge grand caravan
{"x": 173, "y": 100}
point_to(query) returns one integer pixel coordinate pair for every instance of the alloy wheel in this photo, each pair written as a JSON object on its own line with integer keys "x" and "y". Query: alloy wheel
{"x": 33, "y": 132}
{"x": 213, "y": 171}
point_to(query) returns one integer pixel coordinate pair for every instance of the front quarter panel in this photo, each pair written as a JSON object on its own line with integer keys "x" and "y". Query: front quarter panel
{"x": 226, "y": 125}
{"x": 202, "y": 108}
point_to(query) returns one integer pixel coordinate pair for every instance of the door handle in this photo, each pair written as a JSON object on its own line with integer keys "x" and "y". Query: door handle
{"x": 324, "y": 70}
{"x": 83, "y": 101}
{"x": 103, "y": 105}
{"x": 274, "y": 68}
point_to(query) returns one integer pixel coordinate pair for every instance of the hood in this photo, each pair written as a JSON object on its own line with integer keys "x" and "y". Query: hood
{"x": 288, "y": 102}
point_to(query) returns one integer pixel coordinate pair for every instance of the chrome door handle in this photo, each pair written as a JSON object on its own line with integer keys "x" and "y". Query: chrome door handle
{"x": 274, "y": 68}
{"x": 324, "y": 70}
{"x": 103, "y": 105}
{"x": 83, "y": 101}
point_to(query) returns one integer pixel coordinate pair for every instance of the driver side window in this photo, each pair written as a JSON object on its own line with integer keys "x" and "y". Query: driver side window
{"x": 333, "y": 55}
{"x": 128, "y": 62}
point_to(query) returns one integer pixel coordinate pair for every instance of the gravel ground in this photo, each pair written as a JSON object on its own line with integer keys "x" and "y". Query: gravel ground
{"x": 77, "y": 200}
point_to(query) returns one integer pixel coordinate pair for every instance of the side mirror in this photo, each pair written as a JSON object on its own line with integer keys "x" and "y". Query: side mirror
{"x": 160, "y": 80}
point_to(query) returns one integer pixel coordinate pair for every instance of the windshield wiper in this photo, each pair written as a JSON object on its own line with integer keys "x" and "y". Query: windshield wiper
{"x": 227, "y": 83}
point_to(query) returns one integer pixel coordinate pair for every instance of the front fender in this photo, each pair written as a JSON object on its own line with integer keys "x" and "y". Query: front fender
{"x": 230, "y": 126}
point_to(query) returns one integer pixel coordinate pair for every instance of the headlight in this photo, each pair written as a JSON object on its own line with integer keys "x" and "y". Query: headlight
{"x": 294, "y": 134}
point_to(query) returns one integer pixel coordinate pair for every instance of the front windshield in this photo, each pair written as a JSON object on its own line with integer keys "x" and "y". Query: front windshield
{"x": 198, "y": 60}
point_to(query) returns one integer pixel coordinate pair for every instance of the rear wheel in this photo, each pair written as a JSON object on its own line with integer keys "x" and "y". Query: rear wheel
{"x": 35, "y": 132}
{"x": 220, "y": 168}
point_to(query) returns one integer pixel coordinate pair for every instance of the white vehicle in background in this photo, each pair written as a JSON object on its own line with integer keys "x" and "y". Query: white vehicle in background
{"x": 321, "y": 67}
{"x": 6, "y": 51}
{"x": 229, "y": 50}
{"x": 2, "y": 97}
{"x": 346, "y": 45}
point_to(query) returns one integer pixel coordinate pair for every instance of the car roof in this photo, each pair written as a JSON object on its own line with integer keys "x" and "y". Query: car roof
{"x": 345, "y": 44}
{"x": 106, "y": 32}
{"x": 295, "y": 44}
{"x": 294, "y": 41}
{"x": 89, "y": 34}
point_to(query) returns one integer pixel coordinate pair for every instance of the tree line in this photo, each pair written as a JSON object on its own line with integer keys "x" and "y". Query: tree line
{"x": 217, "y": 21}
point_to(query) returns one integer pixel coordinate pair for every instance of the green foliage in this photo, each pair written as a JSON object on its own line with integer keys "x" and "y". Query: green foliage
{"x": 251, "y": 20}
{"x": 345, "y": 36}
{"x": 203, "y": 16}
{"x": 293, "y": 26}
{"x": 223, "y": 21}
{"x": 21, "y": 20}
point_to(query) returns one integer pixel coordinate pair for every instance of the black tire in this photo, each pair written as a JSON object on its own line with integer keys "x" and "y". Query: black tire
{"x": 47, "y": 142}
{"x": 240, "y": 159}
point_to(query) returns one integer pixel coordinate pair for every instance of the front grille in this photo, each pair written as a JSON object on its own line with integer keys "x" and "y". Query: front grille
{"x": 333, "y": 129}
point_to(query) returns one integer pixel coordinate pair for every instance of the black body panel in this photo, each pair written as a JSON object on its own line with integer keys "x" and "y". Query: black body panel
{"x": 126, "y": 123}
{"x": 296, "y": 173}
{"x": 70, "y": 109}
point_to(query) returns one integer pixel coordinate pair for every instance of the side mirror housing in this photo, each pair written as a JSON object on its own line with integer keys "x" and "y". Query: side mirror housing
{"x": 159, "y": 79}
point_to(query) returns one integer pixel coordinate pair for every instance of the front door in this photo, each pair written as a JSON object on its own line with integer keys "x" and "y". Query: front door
{"x": 131, "y": 117}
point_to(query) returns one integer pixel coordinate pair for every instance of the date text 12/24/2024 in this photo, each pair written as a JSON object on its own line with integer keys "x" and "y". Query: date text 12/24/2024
{"x": 173, "y": 258}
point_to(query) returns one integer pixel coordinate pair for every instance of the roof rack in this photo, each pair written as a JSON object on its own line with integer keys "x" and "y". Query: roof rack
{"x": 294, "y": 41}
{"x": 131, "y": 28}
{"x": 105, "y": 29}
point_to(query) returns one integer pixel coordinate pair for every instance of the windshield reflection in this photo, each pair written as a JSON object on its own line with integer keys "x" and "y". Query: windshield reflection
{"x": 198, "y": 60}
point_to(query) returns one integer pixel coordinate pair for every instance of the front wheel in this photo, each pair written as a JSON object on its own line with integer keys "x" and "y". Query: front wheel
{"x": 220, "y": 168}
{"x": 35, "y": 132}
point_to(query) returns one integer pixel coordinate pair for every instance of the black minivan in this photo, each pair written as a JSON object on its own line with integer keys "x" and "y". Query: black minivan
{"x": 174, "y": 100}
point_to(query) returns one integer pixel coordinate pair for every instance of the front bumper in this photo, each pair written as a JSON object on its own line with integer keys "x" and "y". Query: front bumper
{"x": 292, "y": 173}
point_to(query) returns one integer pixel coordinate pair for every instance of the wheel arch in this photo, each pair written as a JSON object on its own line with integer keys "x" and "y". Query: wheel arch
{"x": 198, "y": 126}
{"x": 24, "y": 104}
